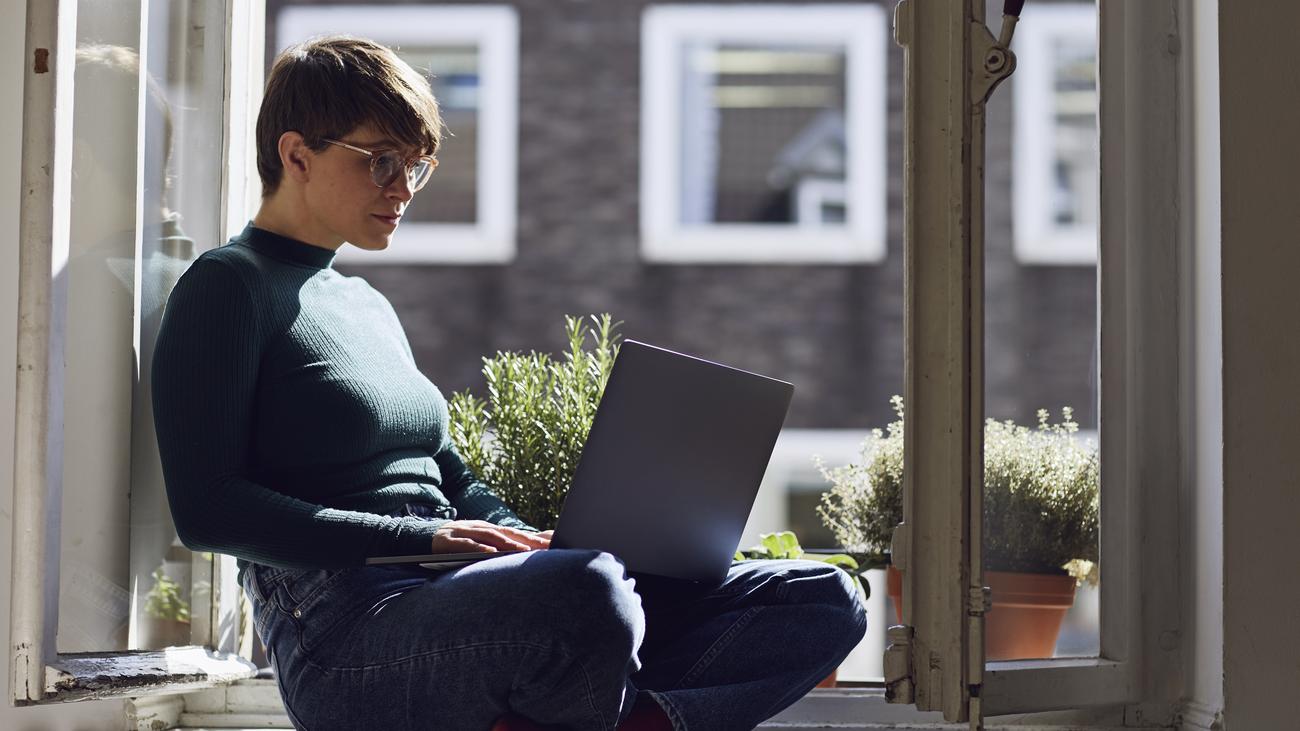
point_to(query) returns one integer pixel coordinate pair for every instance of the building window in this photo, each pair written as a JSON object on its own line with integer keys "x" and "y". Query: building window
{"x": 763, "y": 133}
{"x": 1055, "y": 143}
{"x": 466, "y": 214}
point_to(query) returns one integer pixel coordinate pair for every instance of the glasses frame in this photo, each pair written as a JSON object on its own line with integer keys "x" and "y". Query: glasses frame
{"x": 408, "y": 166}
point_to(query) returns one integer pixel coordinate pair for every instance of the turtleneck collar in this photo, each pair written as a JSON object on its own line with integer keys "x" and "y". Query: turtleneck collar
{"x": 285, "y": 248}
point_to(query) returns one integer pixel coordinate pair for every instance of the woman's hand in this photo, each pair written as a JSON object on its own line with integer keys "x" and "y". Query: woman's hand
{"x": 480, "y": 536}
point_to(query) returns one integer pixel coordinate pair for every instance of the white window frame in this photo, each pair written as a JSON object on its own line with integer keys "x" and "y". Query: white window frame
{"x": 495, "y": 30}
{"x": 39, "y": 673}
{"x": 1039, "y": 239}
{"x": 861, "y": 29}
{"x": 1144, "y": 218}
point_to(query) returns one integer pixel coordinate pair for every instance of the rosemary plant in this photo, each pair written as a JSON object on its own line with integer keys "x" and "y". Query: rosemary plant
{"x": 525, "y": 440}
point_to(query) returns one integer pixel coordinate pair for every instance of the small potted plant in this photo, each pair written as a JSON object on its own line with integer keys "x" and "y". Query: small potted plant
{"x": 1040, "y": 522}
{"x": 785, "y": 545}
{"x": 526, "y": 438}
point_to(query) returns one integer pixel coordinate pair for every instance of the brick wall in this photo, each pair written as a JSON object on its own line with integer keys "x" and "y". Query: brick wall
{"x": 834, "y": 331}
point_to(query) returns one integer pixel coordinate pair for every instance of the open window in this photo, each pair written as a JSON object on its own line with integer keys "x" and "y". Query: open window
{"x": 134, "y": 162}
{"x": 1136, "y": 666}
{"x": 1134, "y": 674}
{"x": 205, "y": 60}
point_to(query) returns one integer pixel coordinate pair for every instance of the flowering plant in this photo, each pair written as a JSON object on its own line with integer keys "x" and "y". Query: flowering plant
{"x": 1041, "y": 504}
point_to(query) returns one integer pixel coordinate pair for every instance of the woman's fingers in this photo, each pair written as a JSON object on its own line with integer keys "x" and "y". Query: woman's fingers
{"x": 446, "y": 543}
{"x": 489, "y": 536}
{"x": 528, "y": 539}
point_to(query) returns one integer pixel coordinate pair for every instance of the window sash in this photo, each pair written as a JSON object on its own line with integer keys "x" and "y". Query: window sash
{"x": 1141, "y": 424}
{"x": 41, "y": 673}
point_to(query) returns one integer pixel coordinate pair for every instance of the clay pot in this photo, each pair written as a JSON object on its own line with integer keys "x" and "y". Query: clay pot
{"x": 829, "y": 680}
{"x": 1027, "y": 612}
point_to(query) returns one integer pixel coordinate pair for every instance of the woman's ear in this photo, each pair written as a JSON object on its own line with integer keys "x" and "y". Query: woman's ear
{"x": 295, "y": 156}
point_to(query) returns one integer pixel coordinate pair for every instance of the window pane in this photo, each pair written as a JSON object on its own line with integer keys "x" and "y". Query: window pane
{"x": 763, "y": 136}
{"x": 146, "y": 185}
{"x": 94, "y": 597}
{"x": 182, "y": 194}
{"x": 451, "y": 195}
{"x": 1041, "y": 346}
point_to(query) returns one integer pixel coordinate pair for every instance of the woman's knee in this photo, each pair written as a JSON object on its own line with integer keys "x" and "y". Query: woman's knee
{"x": 591, "y": 596}
{"x": 816, "y": 583}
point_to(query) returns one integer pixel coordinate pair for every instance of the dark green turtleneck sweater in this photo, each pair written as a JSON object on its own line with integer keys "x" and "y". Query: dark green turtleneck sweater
{"x": 291, "y": 416}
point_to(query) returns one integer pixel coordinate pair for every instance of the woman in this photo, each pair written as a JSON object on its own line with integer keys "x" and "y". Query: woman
{"x": 297, "y": 434}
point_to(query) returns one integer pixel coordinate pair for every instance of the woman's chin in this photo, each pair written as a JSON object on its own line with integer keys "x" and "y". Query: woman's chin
{"x": 372, "y": 243}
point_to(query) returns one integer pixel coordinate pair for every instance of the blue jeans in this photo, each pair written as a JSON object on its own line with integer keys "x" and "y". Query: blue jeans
{"x": 563, "y": 637}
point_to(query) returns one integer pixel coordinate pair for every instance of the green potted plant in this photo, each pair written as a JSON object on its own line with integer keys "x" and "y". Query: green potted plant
{"x": 785, "y": 545}
{"x": 526, "y": 438}
{"x": 1040, "y": 522}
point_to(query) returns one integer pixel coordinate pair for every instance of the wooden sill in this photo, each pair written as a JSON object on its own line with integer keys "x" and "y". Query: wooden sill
{"x": 98, "y": 675}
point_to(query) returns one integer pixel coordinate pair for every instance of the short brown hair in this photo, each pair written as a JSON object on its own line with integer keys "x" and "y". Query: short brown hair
{"x": 329, "y": 86}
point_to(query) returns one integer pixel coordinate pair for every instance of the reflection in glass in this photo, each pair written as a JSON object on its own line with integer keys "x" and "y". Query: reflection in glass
{"x": 763, "y": 137}
{"x": 146, "y": 170}
{"x": 452, "y": 193}
{"x": 1074, "y": 112}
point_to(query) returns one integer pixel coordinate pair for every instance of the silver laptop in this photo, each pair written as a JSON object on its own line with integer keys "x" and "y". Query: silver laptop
{"x": 670, "y": 470}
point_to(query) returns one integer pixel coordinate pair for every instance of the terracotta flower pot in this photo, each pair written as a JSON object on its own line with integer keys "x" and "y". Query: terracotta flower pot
{"x": 829, "y": 680}
{"x": 894, "y": 587}
{"x": 1027, "y": 612}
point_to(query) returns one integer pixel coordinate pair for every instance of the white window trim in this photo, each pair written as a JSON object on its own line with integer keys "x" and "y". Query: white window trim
{"x": 861, "y": 29}
{"x": 495, "y": 30}
{"x": 1038, "y": 239}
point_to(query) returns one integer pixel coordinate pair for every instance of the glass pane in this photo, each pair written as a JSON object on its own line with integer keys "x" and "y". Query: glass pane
{"x": 1041, "y": 353}
{"x": 763, "y": 138}
{"x": 452, "y": 193}
{"x": 182, "y": 214}
{"x": 94, "y": 596}
{"x": 146, "y": 178}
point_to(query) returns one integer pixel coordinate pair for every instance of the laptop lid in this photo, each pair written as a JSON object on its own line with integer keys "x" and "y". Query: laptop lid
{"x": 673, "y": 462}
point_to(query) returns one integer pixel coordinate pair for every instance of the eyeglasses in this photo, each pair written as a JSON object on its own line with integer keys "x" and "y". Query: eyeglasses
{"x": 386, "y": 165}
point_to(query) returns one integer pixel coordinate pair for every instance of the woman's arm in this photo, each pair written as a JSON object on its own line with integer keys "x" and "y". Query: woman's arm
{"x": 205, "y": 368}
{"x": 469, "y": 496}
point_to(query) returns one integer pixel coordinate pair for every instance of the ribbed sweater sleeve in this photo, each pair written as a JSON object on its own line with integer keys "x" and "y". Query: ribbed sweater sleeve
{"x": 205, "y": 369}
{"x": 470, "y": 497}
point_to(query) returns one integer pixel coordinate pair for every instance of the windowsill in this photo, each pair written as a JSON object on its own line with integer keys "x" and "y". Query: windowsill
{"x": 99, "y": 675}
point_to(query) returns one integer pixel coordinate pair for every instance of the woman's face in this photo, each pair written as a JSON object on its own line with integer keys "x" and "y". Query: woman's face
{"x": 343, "y": 199}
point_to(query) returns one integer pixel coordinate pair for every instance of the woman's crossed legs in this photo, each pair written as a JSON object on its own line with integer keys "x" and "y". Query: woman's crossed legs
{"x": 563, "y": 637}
